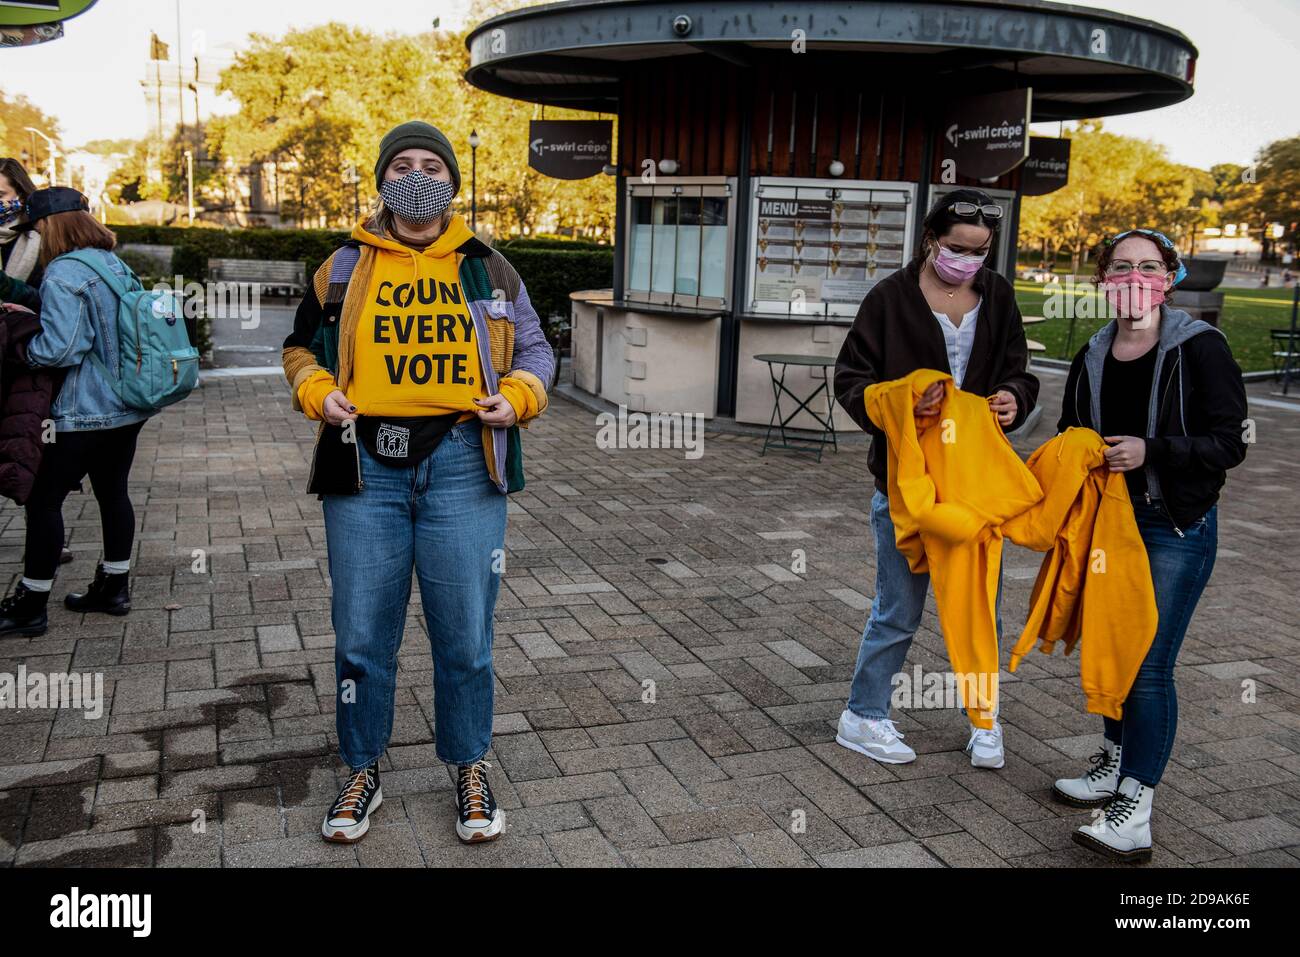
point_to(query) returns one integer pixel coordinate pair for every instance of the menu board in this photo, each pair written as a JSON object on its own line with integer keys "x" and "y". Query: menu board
{"x": 816, "y": 247}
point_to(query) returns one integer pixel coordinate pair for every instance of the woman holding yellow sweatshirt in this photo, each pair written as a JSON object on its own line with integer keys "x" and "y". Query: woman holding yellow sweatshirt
{"x": 1164, "y": 391}
{"x": 419, "y": 351}
{"x": 950, "y": 312}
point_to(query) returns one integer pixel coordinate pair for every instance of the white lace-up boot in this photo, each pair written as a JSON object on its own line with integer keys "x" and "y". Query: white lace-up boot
{"x": 1123, "y": 830}
{"x": 1097, "y": 785}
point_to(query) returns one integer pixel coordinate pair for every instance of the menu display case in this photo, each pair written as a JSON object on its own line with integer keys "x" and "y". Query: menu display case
{"x": 817, "y": 246}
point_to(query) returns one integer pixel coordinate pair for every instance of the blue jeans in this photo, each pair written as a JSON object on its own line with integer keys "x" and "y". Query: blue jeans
{"x": 1180, "y": 569}
{"x": 444, "y": 519}
{"x": 895, "y": 616}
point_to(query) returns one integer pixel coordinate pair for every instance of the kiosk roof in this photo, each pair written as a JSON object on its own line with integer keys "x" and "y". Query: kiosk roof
{"x": 1080, "y": 62}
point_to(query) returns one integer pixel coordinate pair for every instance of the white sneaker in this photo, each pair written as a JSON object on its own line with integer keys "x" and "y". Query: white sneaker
{"x": 985, "y": 747}
{"x": 1097, "y": 785}
{"x": 877, "y": 738}
{"x": 1123, "y": 831}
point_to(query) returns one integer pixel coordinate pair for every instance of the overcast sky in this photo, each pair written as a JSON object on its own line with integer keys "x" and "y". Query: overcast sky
{"x": 1246, "y": 78}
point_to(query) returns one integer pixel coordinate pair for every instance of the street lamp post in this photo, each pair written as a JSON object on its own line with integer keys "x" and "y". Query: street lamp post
{"x": 352, "y": 177}
{"x": 474, "y": 142}
{"x": 54, "y": 169}
{"x": 189, "y": 181}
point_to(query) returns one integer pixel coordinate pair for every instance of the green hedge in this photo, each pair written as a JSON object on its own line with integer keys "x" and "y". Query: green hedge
{"x": 551, "y": 274}
{"x": 550, "y": 268}
{"x": 525, "y": 242}
{"x": 194, "y": 247}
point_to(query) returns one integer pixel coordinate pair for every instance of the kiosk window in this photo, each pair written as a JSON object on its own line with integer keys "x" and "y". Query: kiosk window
{"x": 678, "y": 244}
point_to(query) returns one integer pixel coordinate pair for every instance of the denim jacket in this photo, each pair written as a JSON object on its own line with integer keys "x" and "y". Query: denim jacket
{"x": 78, "y": 315}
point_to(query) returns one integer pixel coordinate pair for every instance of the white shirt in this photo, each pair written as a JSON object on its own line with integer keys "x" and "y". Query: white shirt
{"x": 959, "y": 340}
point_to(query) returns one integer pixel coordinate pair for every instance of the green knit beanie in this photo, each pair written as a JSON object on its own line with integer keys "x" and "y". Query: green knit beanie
{"x": 416, "y": 134}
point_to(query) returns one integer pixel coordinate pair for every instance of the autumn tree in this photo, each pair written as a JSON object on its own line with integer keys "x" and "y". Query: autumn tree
{"x": 317, "y": 100}
{"x": 17, "y": 113}
{"x": 1116, "y": 183}
{"x": 1269, "y": 192}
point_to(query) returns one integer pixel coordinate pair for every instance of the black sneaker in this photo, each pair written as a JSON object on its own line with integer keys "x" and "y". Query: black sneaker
{"x": 349, "y": 818}
{"x": 480, "y": 819}
{"x": 108, "y": 593}
{"x": 23, "y": 613}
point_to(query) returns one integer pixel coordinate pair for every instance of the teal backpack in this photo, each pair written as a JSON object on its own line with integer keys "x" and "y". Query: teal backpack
{"x": 157, "y": 365}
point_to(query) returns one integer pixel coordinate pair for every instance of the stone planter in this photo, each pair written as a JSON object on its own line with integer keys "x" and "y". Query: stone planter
{"x": 1203, "y": 274}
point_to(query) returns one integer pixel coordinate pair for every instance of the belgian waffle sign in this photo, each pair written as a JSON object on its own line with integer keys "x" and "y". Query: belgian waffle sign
{"x": 983, "y": 137}
{"x": 569, "y": 149}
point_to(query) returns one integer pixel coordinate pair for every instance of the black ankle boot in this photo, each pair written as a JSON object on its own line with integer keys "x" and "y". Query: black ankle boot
{"x": 23, "y": 612}
{"x": 108, "y": 593}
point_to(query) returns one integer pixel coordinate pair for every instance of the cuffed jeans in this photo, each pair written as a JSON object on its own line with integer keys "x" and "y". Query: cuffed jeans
{"x": 1180, "y": 569}
{"x": 444, "y": 519}
{"x": 895, "y": 616}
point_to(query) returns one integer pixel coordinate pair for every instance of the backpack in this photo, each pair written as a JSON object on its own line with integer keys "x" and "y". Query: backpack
{"x": 157, "y": 365}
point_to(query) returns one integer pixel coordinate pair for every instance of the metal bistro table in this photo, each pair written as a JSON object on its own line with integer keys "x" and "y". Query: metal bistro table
{"x": 798, "y": 443}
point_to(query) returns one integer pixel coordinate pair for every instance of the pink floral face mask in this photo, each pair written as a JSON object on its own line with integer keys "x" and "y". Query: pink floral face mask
{"x": 1135, "y": 296}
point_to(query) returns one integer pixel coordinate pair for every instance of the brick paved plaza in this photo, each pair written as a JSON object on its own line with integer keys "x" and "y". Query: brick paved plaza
{"x": 623, "y": 567}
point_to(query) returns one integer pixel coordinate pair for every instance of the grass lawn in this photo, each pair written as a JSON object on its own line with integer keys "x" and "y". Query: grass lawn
{"x": 1248, "y": 315}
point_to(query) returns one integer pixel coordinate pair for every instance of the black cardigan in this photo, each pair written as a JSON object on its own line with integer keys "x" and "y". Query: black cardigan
{"x": 896, "y": 333}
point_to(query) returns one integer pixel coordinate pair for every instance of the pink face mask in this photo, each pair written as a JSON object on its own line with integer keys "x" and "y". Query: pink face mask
{"x": 1135, "y": 296}
{"x": 954, "y": 267}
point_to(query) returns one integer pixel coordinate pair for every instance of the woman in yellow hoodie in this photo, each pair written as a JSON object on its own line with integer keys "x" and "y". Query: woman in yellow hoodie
{"x": 419, "y": 351}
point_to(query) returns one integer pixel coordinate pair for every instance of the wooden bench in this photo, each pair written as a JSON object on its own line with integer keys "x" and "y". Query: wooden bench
{"x": 274, "y": 277}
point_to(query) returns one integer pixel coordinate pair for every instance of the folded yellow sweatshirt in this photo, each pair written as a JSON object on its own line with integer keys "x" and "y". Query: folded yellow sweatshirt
{"x": 1094, "y": 587}
{"x": 953, "y": 479}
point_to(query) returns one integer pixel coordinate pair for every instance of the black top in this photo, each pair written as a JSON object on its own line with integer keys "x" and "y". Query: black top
{"x": 1201, "y": 416}
{"x": 895, "y": 334}
{"x": 1125, "y": 396}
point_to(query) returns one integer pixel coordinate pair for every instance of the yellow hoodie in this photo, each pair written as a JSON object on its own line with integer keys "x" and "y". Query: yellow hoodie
{"x": 1095, "y": 582}
{"x": 415, "y": 352}
{"x": 956, "y": 488}
{"x": 953, "y": 479}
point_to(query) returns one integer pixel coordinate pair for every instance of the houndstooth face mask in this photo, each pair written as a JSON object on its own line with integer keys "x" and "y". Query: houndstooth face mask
{"x": 417, "y": 197}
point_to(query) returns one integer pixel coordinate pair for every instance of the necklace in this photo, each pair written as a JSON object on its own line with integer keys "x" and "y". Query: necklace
{"x": 950, "y": 295}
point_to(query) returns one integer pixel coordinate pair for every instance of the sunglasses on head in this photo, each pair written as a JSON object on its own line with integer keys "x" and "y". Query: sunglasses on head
{"x": 964, "y": 210}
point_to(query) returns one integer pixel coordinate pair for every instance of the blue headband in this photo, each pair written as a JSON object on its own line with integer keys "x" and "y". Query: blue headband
{"x": 1163, "y": 240}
